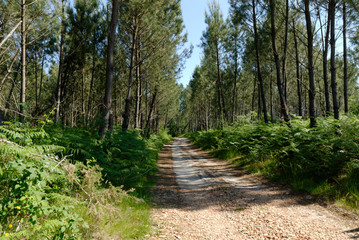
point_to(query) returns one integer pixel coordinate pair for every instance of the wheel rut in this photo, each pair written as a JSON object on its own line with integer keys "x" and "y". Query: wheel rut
{"x": 200, "y": 197}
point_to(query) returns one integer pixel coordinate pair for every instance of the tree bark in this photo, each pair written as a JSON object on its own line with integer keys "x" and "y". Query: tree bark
{"x": 346, "y": 98}
{"x": 89, "y": 101}
{"x": 297, "y": 64}
{"x": 126, "y": 115}
{"x": 83, "y": 108}
{"x": 42, "y": 74}
{"x": 138, "y": 86}
{"x": 285, "y": 47}
{"x": 260, "y": 79}
{"x": 219, "y": 87}
{"x": 234, "y": 100}
{"x": 147, "y": 128}
{"x": 283, "y": 103}
{"x": 109, "y": 71}
{"x": 325, "y": 66}
{"x": 36, "y": 86}
{"x": 333, "y": 70}
{"x": 23, "y": 61}
{"x": 271, "y": 98}
{"x": 59, "y": 77}
{"x": 313, "y": 122}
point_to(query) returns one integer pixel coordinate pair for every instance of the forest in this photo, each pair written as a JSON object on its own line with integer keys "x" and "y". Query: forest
{"x": 90, "y": 92}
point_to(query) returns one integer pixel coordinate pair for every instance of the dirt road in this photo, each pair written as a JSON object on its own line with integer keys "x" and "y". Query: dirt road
{"x": 200, "y": 197}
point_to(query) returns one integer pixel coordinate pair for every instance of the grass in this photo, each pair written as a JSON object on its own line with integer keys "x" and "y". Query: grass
{"x": 63, "y": 183}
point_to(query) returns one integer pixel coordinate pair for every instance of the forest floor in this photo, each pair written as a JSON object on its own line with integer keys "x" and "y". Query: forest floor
{"x": 200, "y": 197}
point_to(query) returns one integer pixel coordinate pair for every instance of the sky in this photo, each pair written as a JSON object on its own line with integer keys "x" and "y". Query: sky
{"x": 193, "y": 17}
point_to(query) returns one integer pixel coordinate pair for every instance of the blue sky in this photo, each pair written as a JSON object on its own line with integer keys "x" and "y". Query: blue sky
{"x": 193, "y": 17}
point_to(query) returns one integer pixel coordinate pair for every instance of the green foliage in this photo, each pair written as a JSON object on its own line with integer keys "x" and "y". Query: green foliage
{"x": 44, "y": 196}
{"x": 34, "y": 198}
{"x": 126, "y": 158}
{"x": 322, "y": 160}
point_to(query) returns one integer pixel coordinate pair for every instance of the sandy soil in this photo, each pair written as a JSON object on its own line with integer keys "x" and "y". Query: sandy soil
{"x": 200, "y": 197}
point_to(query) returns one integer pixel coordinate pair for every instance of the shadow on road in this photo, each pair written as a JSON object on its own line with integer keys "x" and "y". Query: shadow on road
{"x": 230, "y": 188}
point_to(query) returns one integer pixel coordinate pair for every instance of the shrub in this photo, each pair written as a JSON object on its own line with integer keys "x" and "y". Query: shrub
{"x": 324, "y": 156}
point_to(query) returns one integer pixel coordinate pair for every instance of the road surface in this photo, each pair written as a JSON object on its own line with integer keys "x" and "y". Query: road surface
{"x": 200, "y": 197}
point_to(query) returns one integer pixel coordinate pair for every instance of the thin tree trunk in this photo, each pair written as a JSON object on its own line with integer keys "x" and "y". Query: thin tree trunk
{"x": 147, "y": 128}
{"x": 297, "y": 63}
{"x": 234, "y": 101}
{"x": 325, "y": 67}
{"x": 36, "y": 85}
{"x": 284, "y": 58}
{"x": 23, "y": 60}
{"x": 254, "y": 92}
{"x": 313, "y": 122}
{"x": 346, "y": 98}
{"x": 115, "y": 115}
{"x": 260, "y": 79}
{"x": 59, "y": 77}
{"x": 109, "y": 71}
{"x": 83, "y": 109}
{"x": 259, "y": 102}
{"x": 146, "y": 104}
{"x": 219, "y": 88}
{"x": 42, "y": 74}
{"x": 126, "y": 116}
{"x": 138, "y": 86}
{"x": 7, "y": 106}
{"x": 8, "y": 71}
{"x": 271, "y": 97}
{"x": 89, "y": 101}
{"x": 333, "y": 69}
{"x": 283, "y": 103}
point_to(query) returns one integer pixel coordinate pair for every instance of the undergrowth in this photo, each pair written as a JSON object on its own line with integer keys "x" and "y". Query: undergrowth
{"x": 323, "y": 161}
{"x": 63, "y": 183}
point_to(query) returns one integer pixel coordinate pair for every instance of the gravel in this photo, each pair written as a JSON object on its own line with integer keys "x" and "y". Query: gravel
{"x": 200, "y": 197}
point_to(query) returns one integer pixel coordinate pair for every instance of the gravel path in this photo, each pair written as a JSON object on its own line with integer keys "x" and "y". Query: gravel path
{"x": 200, "y": 197}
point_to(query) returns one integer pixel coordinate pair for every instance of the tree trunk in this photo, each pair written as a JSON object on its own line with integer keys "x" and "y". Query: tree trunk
{"x": 297, "y": 63}
{"x": 219, "y": 87}
{"x": 147, "y": 128}
{"x": 346, "y": 98}
{"x": 8, "y": 71}
{"x": 259, "y": 102}
{"x": 333, "y": 69}
{"x": 7, "y": 106}
{"x": 36, "y": 86}
{"x": 254, "y": 92}
{"x": 234, "y": 100}
{"x": 109, "y": 71}
{"x": 285, "y": 47}
{"x": 89, "y": 101}
{"x": 283, "y": 103}
{"x": 138, "y": 86}
{"x": 23, "y": 61}
{"x": 126, "y": 115}
{"x": 325, "y": 66}
{"x": 313, "y": 122}
{"x": 1, "y": 117}
{"x": 42, "y": 74}
{"x": 83, "y": 108}
{"x": 271, "y": 98}
{"x": 261, "y": 87}
{"x": 59, "y": 77}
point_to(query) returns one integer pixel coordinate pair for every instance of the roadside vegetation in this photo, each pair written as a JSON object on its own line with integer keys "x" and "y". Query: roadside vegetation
{"x": 64, "y": 183}
{"x": 323, "y": 161}
{"x": 110, "y": 71}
